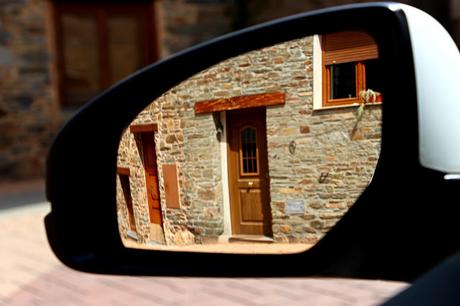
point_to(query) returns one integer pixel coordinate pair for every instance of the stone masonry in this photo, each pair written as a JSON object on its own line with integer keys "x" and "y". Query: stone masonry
{"x": 29, "y": 117}
{"x": 333, "y": 161}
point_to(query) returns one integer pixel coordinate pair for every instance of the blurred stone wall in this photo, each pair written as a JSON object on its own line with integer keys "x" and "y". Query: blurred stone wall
{"x": 29, "y": 114}
{"x": 185, "y": 23}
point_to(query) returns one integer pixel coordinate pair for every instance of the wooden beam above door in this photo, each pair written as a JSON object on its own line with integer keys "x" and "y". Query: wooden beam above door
{"x": 240, "y": 102}
{"x": 143, "y": 128}
{"x": 123, "y": 171}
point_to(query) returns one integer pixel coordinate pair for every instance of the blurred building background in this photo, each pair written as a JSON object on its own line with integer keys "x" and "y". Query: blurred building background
{"x": 55, "y": 55}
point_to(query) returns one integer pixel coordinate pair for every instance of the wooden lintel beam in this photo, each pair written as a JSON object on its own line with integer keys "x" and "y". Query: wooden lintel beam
{"x": 143, "y": 128}
{"x": 123, "y": 171}
{"x": 240, "y": 102}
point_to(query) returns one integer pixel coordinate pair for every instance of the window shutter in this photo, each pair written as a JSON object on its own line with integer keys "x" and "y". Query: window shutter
{"x": 344, "y": 47}
{"x": 171, "y": 186}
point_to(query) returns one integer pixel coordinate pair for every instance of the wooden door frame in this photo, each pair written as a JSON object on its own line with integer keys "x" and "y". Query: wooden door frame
{"x": 224, "y": 148}
{"x": 267, "y": 221}
{"x": 147, "y": 185}
{"x": 139, "y": 132}
{"x": 223, "y": 105}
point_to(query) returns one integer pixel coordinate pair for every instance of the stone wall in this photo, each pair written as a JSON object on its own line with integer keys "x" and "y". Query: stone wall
{"x": 29, "y": 115}
{"x": 333, "y": 161}
{"x": 186, "y": 23}
{"x": 328, "y": 171}
{"x": 186, "y": 141}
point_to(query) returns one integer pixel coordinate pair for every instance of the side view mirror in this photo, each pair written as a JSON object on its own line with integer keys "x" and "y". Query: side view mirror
{"x": 154, "y": 164}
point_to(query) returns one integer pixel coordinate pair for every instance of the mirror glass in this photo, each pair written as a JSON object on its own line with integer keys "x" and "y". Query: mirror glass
{"x": 261, "y": 153}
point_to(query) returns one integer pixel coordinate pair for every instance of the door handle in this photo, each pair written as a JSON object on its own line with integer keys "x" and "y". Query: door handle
{"x": 248, "y": 189}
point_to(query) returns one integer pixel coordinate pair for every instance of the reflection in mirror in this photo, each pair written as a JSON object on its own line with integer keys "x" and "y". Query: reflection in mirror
{"x": 261, "y": 153}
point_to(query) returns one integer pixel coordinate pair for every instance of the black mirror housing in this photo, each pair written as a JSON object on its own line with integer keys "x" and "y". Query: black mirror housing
{"x": 382, "y": 236}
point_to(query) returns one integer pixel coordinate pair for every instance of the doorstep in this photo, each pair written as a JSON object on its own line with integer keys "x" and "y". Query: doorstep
{"x": 246, "y": 239}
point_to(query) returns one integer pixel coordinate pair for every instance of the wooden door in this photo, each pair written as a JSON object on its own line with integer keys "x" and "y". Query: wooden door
{"x": 248, "y": 172}
{"x": 151, "y": 177}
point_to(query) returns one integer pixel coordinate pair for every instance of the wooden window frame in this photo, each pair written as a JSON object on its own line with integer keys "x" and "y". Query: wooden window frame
{"x": 240, "y": 153}
{"x": 100, "y": 11}
{"x": 360, "y": 80}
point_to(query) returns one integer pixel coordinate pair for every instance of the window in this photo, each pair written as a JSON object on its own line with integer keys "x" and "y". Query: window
{"x": 97, "y": 45}
{"x": 350, "y": 65}
{"x": 248, "y": 151}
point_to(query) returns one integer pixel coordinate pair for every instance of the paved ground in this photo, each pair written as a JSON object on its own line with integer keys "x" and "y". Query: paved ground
{"x": 234, "y": 247}
{"x": 31, "y": 275}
